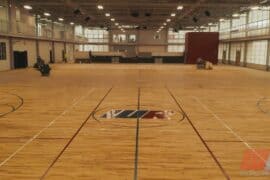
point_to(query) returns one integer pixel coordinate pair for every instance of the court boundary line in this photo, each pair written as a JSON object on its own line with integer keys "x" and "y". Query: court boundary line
{"x": 75, "y": 134}
{"x": 200, "y": 137}
{"x": 14, "y": 109}
{"x": 237, "y": 136}
{"x": 136, "y": 160}
{"x": 45, "y": 128}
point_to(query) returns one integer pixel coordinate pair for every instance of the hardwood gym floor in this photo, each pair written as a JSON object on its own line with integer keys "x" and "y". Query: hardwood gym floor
{"x": 52, "y": 128}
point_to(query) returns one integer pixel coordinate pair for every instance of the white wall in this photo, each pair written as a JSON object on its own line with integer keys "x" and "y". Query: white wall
{"x": 26, "y": 45}
{"x": 70, "y": 52}
{"x": 44, "y": 50}
{"x": 59, "y": 47}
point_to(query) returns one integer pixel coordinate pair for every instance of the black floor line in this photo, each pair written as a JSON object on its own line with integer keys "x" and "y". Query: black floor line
{"x": 13, "y": 109}
{"x": 74, "y": 136}
{"x": 137, "y": 138}
{"x": 200, "y": 137}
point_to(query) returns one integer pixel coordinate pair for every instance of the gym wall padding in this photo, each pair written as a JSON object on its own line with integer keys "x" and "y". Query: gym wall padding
{"x": 201, "y": 45}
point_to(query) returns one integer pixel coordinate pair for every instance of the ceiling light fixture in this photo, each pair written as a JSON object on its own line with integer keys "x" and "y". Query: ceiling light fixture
{"x": 27, "y": 7}
{"x": 61, "y": 19}
{"x": 107, "y": 14}
{"x": 72, "y": 23}
{"x": 236, "y": 15}
{"x": 100, "y": 7}
{"x": 168, "y": 20}
{"x": 112, "y": 19}
{"x": 47, "y": 14}
{"x": 180, "y": 7}
{"x": 173, "y": 14}
{"x": 221, "y": 20}
{"x": 255, "y": 8}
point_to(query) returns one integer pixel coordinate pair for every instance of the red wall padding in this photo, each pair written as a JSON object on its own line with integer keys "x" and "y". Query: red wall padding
{"x": 201, "y": 45}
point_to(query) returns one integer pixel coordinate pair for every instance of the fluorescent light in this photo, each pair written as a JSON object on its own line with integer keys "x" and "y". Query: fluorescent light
{"x": 173, "y": 14}
{"x": 210, "y": 24}
{"x": 180, "y": 7}
{"x": 161, "y": 27}
{"x": 27, "y": 7}
{"x": 112, "y": 19}
{"x": 116, "y": 24}
{"x": 107, "y": 14}
{"x": 60, "y": 19}
{"x": 47, "y": 14}
{"x": 255, "y": 8}
{"x": 72, "y": 23}
{"x": 168, "y": 20}
{"x": 164, "y": 24}
{"x": 100, "y": 7}
{"x": 235, "y": 15}
{"x": 221, "y": 20}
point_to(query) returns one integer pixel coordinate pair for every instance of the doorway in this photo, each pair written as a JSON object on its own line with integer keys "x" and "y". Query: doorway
{"x": 20, "y": 59}
{"x": 224, "y": 56}
{"x": 51, "y": 57}
{"x": 238, "y": 58}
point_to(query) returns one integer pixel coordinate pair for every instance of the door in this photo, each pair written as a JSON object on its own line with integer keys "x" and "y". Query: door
{"x": 63, "y": 55}
{"x": 51, "y": 57}
{"x": 20, "y": 59}
{"x": 238, "y": 58}
{"x": 224, "y": 56}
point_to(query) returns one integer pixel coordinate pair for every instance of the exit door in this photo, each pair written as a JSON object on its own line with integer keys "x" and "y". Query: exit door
{"x": 238, "y": 58}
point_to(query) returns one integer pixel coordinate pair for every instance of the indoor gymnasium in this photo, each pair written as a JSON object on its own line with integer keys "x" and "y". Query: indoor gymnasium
{"x": 134, "y": 89}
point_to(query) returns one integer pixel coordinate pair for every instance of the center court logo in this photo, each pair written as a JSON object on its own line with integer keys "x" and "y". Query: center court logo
{"x": 256, "y": 161}
{"x": 133, "y": 114}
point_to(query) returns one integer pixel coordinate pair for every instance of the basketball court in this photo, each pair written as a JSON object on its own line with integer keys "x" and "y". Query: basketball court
{"x": 137, "y": 122}
{"x": 134, "y": 90}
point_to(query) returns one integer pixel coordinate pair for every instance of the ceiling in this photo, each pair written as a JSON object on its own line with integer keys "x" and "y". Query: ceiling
{"x": 151, "y": 13}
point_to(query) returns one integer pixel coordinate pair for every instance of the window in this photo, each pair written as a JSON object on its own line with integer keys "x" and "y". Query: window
{"x": 176, "y": 37}
{"x": 78, "y": 30}
{"x": 225, "y": 29}
{"x": 239, "y": 26}
{"x": 3, "y": 51}
{"x": 176, "y": 48}
{"x": 96, "y": 48}
{"x": 257, "y": 52}
{"x": 258, "y": 22}
{"x": 176, "y": 40}
{"x": 96, "y": 35}
{"x": 132, "y": 38}
{"x": 119, "y": 38}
